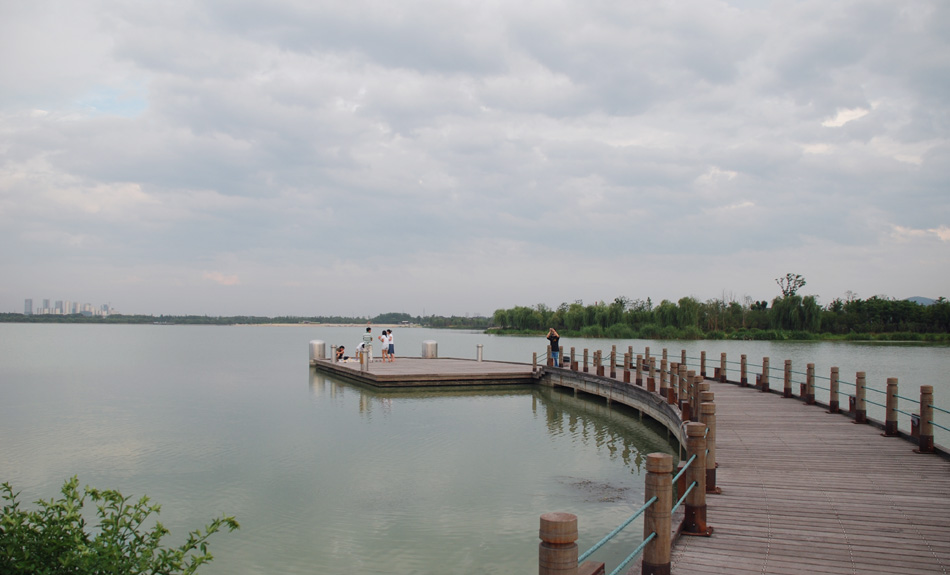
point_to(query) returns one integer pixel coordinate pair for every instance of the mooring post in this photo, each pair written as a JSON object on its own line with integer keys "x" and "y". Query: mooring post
{"x": 765, "y": 374}
{"x": 833, "y": 406}
{"x": 925, "y": 439}
{"x": 860, "y": 405}
{"x": 702, "y": 363}
{"x": 657, "y": 555}
{"x": 663, "y": 378}
{"x": 651, "y": 379}
{"x": 743, "y": 372}
{"x": 722, "y": 368}
{"x": 694, "y": 522}
{"x": 613, "y": 361}
{"x": 585, "y": 360}
{"x": 639, "y": 378}
{"x": 810, "y": 384}
{"x": 557, "y": 552}
{"x": 890, "y": 418}
{"x": 707, "y": 415}
{"x": 788, "y": 378}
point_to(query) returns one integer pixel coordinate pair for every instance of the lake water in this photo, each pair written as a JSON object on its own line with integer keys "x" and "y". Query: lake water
{"x": 329, "y": 477}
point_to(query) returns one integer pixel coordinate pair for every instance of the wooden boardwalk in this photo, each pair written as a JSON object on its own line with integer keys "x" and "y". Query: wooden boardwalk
{"x": 805, "y": 491}
{"x": 416, "y": 372}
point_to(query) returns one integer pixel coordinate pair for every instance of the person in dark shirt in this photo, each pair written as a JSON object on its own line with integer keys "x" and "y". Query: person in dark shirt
{"x": 554, "y": 338}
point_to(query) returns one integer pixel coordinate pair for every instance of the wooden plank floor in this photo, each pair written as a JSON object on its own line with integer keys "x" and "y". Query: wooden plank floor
{"x": 805, "y": 491}
{"x": 417, "y": 372}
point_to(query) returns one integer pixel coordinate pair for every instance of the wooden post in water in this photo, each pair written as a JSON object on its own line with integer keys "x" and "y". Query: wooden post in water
{"x": 833, "y": 391}
{"x": 639, "y": 379}
{"x": 657, "y": 555}
{"x": 890, "y": 418}
{"x": 688, "y": 383}
{"x": 810, "y": 385}
{"x": 743, "y": 371}
{"x": 765, "y": 374}
{"x": 860, "y": 405}
{"x": 613, "y": 361}
{"x": 557, "y": 552}
{"x": 707, "y": 415}
{"x": 722, "y": 368}
{"x": 788, "y": 378}
{"x": 663, "y": 378}
{"x": 694, "y": 522}
{"x": 651, "y": 379}
{"x": 702, "y": 363}
{"x": 925, "y": 440}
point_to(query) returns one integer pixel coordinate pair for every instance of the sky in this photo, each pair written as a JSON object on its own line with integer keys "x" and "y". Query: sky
{"x": 292, "y": 157}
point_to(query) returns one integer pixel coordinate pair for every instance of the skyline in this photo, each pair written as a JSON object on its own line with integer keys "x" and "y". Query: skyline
{"x": 352, "y": 159}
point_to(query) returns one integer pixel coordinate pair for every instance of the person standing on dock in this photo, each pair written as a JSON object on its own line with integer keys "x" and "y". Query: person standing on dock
{"x": 390, "y": 344}
{"x": 368, "y": 343}
{"x": 384, "y": 344}
{"x": 554, "y": 338}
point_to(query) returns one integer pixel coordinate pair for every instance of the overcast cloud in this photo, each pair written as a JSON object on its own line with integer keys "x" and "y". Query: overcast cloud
{"x": 445, "y": 157}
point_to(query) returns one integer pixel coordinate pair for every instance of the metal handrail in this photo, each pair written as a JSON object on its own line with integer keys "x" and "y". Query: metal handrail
{"x": 636, "y": 552}
{"x": 683, "y": 498}
{"x": 620, "y": 528}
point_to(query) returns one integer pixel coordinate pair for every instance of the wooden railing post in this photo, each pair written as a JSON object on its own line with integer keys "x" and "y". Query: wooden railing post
{"x": 688, "y": 384}
{"x": 613, "y": 361}
{"x": 534, "y": 362}
{"x": 599, "y": 362}
{"x": 639, "y": 378}
{"x": 550, "y": 360}
{"x": 810, "y": 384}
{"x": 925, "y": 441}
{"x": 890, "y": 418}
{"x": 663, "y": 379}
{"x": 707, "y": 415}
{"x": 683, "y": 357}
{"x": 765, "y": 374}
{"x": 833, "y": 406}
{"x": 743, "y": 371}
{"x": 626, "y": 367}
{"x": 694, "y": 522}
{"x": 787, "y": 392}
{"x": 702, "y": 363}
{"x": 657, "y": 555}
{"x": 722, "y": 368}
{"x": 672, "y": 392}
{"x": 557, "y": 552}
{"x": 646, "y": 355}
{"x": 651, "y": 379}
{"x": 683, "y": 383}
{"x": 860, "y": 391}
{"x": 573, "y": 360}
{"x": 664, "y": 354}
{"x": 585, "y": 360}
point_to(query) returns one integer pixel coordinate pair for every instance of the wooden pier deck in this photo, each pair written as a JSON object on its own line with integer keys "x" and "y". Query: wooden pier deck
{"x": 806, "y": 491}
{"x": 417, "y": 372}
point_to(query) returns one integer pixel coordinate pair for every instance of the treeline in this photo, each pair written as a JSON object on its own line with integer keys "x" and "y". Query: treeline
{"x": 451, "y": 322}
{"x": 788, "y": 317}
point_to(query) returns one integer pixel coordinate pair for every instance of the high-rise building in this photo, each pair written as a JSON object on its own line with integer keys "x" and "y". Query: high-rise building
{"x": 28, "y": 306}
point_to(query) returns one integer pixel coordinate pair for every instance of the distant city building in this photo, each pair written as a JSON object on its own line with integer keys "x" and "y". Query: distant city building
{"x": 66, "y": 307}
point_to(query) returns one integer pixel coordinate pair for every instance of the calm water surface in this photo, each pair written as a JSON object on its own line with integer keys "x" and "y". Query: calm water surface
{"x": 328, "y": 477}
{"x": 325, "y": 477}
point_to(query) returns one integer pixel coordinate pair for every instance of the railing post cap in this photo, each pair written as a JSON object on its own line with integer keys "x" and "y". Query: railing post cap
{"x": 695, "y": 429}
{"x": 558, "y": 527}
{"x": 659, "y": 463}
{"x": 707, "y": 408}
{"x": 927, "y": 389}
{"x": 892, "y": 381}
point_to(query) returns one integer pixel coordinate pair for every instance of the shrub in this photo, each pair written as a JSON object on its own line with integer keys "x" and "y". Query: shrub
{"x": 53, "y": 539}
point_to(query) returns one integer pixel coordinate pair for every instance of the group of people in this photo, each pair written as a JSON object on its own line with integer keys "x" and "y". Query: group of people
{"x": 387, "y": 345}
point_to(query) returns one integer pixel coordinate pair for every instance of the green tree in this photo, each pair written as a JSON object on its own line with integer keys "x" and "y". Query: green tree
{"x": 54, "y": 540}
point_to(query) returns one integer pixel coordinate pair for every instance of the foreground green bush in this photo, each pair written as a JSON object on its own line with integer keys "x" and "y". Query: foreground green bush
{"x": 54, "y": 540}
